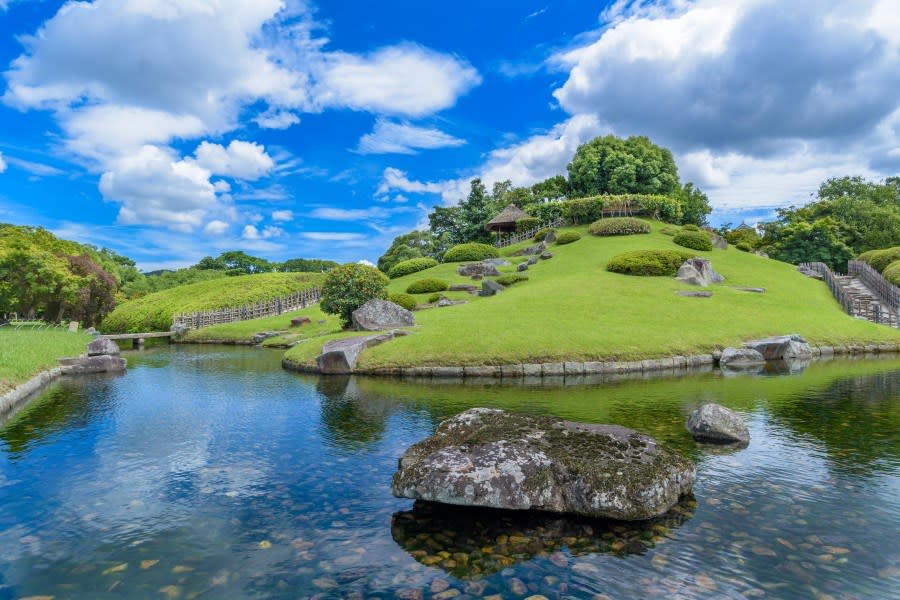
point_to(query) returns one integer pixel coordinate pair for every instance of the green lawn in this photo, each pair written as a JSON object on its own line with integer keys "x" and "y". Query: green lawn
{"x": 573, "y": 309}
{"x": 243, "y": 331}
{"x": 26, "y": 352}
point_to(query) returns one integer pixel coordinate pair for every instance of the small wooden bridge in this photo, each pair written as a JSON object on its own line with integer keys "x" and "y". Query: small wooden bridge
{"x": 137, "y": 339}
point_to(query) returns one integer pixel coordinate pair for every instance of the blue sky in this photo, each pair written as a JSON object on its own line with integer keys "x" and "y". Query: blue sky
{"x": 168, "y": 130}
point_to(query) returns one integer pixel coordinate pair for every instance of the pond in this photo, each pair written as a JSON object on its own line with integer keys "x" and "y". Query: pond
{"x": 211, "y": 472}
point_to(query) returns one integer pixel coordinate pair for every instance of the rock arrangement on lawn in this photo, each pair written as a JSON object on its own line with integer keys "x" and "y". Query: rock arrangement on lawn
{"x": 495, "y": 459}
{"x": 698, "y": 271}
{"x": 716, "y": 424}
{"x": 102, "y": 357}
{"x": 379, "y": 315}
{"x": 479, "y": 269}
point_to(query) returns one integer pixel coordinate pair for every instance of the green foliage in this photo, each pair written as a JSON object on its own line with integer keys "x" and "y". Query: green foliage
{"x": 819, "y": 241}
{"x": 742, "y": 233}
{"x": 670, "y": 231}
{"x": 471, "y": 251}
{"x": 434, "y": 298}
{"x": 306, "y": 265}
{"x": 415, "y": 244}
{"x": 611, "y": 165}
{"x": 164, "y": 280}
{"x": 648, "y": 262}
{"x": 567, "y": 237}
{"x": 425, "y": 286}
{"x": 744, "y": 247}
{"x": 542, "y": 233}
{"x": 412, "y": 265}
{"x": 465, "y": 222}
{"x": 880, "y": 259}
{"x": 696, "y": 240}
{"x": 694, "y": 205}
{"x": 690, "y": 227}
{"x": 348, "y": 287}
{"x": 405, "y": 300}
{"x": 892, "y": 272}
{"x": 511, "y": 278}
{"x": 619, "y": 226}
{"x": 527, "y": 223}
{"x": 154, "y": 312}
{"x": 866, "y": 256}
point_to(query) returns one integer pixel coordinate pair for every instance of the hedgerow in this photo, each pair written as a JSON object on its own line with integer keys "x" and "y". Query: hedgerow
{"x": 696, "y": 240}
{"x": 618, "y": 226}
{"x": 690, "y": 227}
{"x": 412, "y": 265}
{"x": 744, "y": 246}
{"x": 526, "y": 223}
{"x": 882, "y": 258}
{"x": 567, "y": 237}
{"x": 892, "y": 272}
{"x": 405, "y": 300}
{"x": 648, "y": 262}
{"x": 470, "y": 251}
{"x": 425, "y": 286}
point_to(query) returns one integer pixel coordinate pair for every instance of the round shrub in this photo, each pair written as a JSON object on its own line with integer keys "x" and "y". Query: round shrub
{"x": 425, "y": 286}
{"x": 526, "y": 223}
{"x": 892, "y": 272}
{"x": 542, "y": 233}
{"x": 882, "y": 258}
{"x": 567, "y": 237}
{"x": 867, "y": 256}
{"x": 696, "y": 240}
{"x": 511, "y": 278}
{"x": 648, "y": 262}
{"x": 413, "y": 265}
{"x": 690, "y": 227}
{"x": 405, "y": 300}
{"x": 669, "y": 231}
{"x": 619, "y": 226}
{"x": 744, "y": 246}
{"x": 433, "y": 298}
{"x": 348, "y": 287}
{"x": 470, "y": 251}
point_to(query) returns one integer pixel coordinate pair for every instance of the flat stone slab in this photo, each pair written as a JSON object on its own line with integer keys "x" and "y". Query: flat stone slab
{"x": 495, "y": 459}
{"x": 694, "y": 294}
{"x": 339, "y": 356}
{"x": 781, "y": 347}
{"x": 752, "y": 290}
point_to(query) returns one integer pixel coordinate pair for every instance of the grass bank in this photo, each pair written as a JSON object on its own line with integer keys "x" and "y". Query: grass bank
{"x": 26, "y": 352}
{"x": 154, "y": 312}
{"x": 571, "y": 308}
{"x": 243, "y": 332}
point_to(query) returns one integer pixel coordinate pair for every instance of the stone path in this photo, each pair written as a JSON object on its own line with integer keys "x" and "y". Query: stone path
{"x": 865, "y": 304}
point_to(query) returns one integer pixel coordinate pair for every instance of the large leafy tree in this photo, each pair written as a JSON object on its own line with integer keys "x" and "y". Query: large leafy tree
{"x": 465, "y": 222}
{"x": 612, "y": 165}
{"x": 802, "y": 241}
{"x": 694, "y": 205}
{"x": 415, "y": 244}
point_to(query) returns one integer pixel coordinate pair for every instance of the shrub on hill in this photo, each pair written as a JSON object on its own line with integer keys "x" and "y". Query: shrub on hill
{"x": 567, "y": 237}
{"x": 527, "y": 223}
{"x": 669, "y": 231}
{"x": 348, "y": 287}
{"x": 433, "y": 298}
{"x": 540, "y": 235}
{"x": 413, "y": 265}
{"x": 425, "y": 286}
{"x": 892, "y": 272}
{"x": 866, "y": 256}
{"x": 618, "y": 226}
{"x": 690, "y": 227}
{"x": 696, "y": 240}
{"x": 882, "y": 258}
{"x": 511, "y": 278}
{"x": 470, "y": 251}
{"x": 154, "y": 312}
{"x": 648, "y": 262}
{"x": 405, "y": 300}
{"x": 744, "y": 246}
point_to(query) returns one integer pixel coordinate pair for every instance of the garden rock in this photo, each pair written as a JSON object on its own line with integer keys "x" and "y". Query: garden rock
{"x": 716, "y": 424}
{"x": 463, "y": 287}
{"x": 781, "y": 347}
{"x": 98, "y": 363}
{"x": 484, "y": 269}
{"x": 546, "y": 255}
{"x": 340, "y": 356}
{"x": 262, "y": 336}
{"x": 532, "y": 261}
{"x": 491, "y": 458}
{"x": 378, "y": 315}
{"x": 300, "y": 321}
{"x": 102, "y": 346}
{"x": 698, "y": 271}
{"x": 718, "y": 241}
{"x": 550, "y": 237}
{"x": 694, "y": 294}
{"x": 522, "y": 267}
{"x": 534, "y": 250}
{"x": 489, "y": 287}
{"x": 741, "y": 357}
{"x": 497, "y": 262}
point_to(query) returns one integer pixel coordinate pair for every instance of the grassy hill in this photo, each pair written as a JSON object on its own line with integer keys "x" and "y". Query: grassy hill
{"x": 26, "y": 352}
{"x": 573, "y": 309}
{"x": 154, "y": 312}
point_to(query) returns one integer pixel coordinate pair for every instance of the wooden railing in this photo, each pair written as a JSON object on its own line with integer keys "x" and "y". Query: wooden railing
{"x": 886, "y": 291}
{"x": 295, "y": 301}
{"x": 854, "y": 306}
{"x": 515, "y": 238}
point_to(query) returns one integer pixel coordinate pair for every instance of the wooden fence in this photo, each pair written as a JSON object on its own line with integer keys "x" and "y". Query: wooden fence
{"x": 853, "y": 305}
{"x": 515, "y": 238}
{"x": 886, "y": 291}
{"x": 268, "y": 308}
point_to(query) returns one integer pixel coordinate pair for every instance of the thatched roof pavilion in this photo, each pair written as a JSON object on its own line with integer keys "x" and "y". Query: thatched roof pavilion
{"x": 506, "y": 220}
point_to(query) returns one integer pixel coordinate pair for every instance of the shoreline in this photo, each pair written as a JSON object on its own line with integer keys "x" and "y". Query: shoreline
{"x": 21, "y": 394}
{"x": 675, "y": 364}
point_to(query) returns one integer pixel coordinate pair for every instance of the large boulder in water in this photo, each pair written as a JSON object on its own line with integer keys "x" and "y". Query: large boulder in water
{"x": 741, "y": 357}
{"x": 378, "y": 315}
{"x": 698, "y": 271}
{"x": 492, "y": 458}
{"x": 716, "y": 424}
{"x": 781, "y": 347}
{"x": 102, "y": 347}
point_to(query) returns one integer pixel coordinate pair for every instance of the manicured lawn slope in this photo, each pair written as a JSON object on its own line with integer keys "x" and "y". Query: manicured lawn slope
{"x": 154, "y": 312}
{"x": 244, "y": 331}
{"x": 25, "y": 352}
{"x": 573, "y": 309}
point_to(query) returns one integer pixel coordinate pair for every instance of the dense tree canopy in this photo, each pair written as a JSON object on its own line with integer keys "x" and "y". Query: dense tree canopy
{"x": 611, "y": 165}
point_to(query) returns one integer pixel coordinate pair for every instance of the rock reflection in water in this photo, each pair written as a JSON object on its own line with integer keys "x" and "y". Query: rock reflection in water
{"x": 470, "y": 543}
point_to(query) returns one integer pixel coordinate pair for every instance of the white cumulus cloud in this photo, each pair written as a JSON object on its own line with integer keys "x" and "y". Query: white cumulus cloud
{"x": 250, "y": 232}
{"x": 240, "y": 160}
{"x": 282, "y": 215}
{"x": 389, "y": 137}
{"x": 216, "y": 227}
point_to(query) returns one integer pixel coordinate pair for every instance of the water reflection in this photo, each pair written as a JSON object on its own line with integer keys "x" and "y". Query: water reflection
{"x": 350, "y": 420}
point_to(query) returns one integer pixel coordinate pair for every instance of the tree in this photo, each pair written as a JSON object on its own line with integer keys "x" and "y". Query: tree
{"x": 611, "y": 165}
{"x": 551, "y": 189}
{"x": 349, "y": 286}
{"x": 694, "y": 205}
{"x": 465, "y": 222}
{"x": 415, "y": 244}
{"x": 238, "y": 262}
{"x": 819, "y": 241}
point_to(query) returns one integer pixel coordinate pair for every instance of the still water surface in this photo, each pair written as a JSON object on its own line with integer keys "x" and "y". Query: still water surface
{"x": 215, "y": 474}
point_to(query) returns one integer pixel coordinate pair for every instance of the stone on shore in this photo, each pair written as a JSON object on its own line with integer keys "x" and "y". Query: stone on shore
{"x": 339, "y": 356}
{"x": 101, "y": 347}
{"x": 718, "y": 425}
{"x": 378, "y": 315}
{"x": 492, "y": 458}
{"x": 103, "y": 363}
{"x": 741, "y": 357}
{"x": 698, "y": 271}
{"x": 781, "y": 347}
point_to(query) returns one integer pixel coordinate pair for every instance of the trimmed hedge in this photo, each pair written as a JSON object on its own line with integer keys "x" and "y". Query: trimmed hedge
{"x": 669, "y": 231}
{"x": 690, "y": 227}
{"x": 405, "y": 300}
{"x": 567, "y": 237}
{"x": 618, "y": 226}
{"x": 882, "y": 258}
{"x": 648, "y": 262}
{"x": 540, "y": 235}
{"x": 470, "y": 251}
{"x": 412, "y": 265}
{"x": 744, "y": 246}
{"x": 526, "y": 223}
{"x": 892, "y": 272}
{"x": 433, "y": 298}
{"x": 426, "y": 286}
{"x": 511, "y": 278}
{"x": 696, "y": 240}
{"x": 866, "y": 256}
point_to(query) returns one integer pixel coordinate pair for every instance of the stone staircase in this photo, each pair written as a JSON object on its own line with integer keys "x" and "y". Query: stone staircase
{"x": 864, "y": 303}
{"x": 863, "y": 293}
